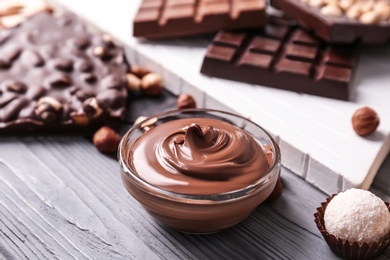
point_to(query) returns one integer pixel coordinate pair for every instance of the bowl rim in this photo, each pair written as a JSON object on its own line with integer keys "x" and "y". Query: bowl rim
{"x": 127, "y": 172}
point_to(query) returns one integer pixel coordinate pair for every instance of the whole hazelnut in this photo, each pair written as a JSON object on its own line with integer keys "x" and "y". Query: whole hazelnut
{"x": 185, "y": 101}
{"x": 151, "y": 84}
{"x": 106, "y": 140}
{"x": 133, "y": 82}
{"x": 139, "y": 71}
{"x": 365, "y": 121}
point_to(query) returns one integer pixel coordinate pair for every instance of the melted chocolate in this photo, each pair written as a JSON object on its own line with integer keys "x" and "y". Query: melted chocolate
{"x": 198, "y": 156}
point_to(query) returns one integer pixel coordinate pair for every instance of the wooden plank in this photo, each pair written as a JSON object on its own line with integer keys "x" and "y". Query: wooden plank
{"x": 61, "y": 198}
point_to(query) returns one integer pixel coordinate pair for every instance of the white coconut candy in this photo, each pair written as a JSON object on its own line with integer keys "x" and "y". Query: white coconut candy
{"x": 357, "y": 215}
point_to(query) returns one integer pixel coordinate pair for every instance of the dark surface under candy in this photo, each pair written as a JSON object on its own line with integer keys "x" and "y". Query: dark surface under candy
{"x": 334, "y": 29}
{"x": 283, "y": 56}
{"x": 171, "y": 18}
{"x": 57, "y": 76}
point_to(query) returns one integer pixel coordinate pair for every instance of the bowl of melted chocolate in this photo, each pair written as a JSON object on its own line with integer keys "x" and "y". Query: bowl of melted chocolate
{"x": 199, "y": 170}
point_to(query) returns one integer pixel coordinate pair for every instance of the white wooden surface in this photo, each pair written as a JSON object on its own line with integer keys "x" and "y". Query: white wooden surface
{"x": 315, "y": 134}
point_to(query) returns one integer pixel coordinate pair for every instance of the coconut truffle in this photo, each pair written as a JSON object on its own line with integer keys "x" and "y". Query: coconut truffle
{"x": 357, "y": 216}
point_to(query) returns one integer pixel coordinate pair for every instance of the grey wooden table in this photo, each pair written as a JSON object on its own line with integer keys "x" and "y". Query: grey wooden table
{"x": 62, "y": 199}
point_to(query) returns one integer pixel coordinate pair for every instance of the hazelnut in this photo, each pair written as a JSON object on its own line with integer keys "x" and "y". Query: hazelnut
{"x": 354, "y": 11}
{"x": 331, "y": 10}
{"x": 369, "y": 17}
{"x": 383, "y": 10}
{"x": 185, "y": 101}
{"x": 133, "y": 82}
{"x": 106, "y": 140}
{"x": 140, "y": 72}
{"x": 151, "y": 84}
{"x": 98, "y": 51}
{"x": 316, "y": 3}
{"x": 48, "y": 109}
{"x": 365, "y": 121}
{"x": 346, "y": 4}
{"x": 367, "y": 6}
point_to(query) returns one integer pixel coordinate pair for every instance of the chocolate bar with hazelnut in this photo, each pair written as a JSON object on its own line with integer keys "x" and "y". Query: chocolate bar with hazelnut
{"x": 58, "y": 76}
{"x": 341, "y": 21}
{"x": 173, "y": 18}
{"x": 283, "y": 56}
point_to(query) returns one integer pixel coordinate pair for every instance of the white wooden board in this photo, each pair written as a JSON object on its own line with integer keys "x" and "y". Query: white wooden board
{"x": 315, "y": 134}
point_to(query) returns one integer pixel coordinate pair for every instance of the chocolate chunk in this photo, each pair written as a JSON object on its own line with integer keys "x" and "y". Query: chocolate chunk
{"x": 62, "y": 64}
{"x": 83, "y": 65}
{"x": 7, "y": 97}
{"x": 15, "y": 86}
{"x": 84, "y": 94}
{"x": 33, "y": 58}
{"x": 80, "y": 42}
{"x": 283, "y": 56}
{"x": 4, "y": 64}
{"x": 111, "y": 98}
{"x": 159, "y": 19}
{"x": 12, "y": 109}
{"x": 55, "y": 83}
{"x": 113, "y": 81}
{"x": 10, "y": 53}
{"x": 59, "y": 80}
{"x": 35, "y": 92}
{"x": 88, "y": 77}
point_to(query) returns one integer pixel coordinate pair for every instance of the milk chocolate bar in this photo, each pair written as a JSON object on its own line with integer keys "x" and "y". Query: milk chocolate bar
{"x": 172, "y": 18}
{"x": 283, "y": 56}
{"x": 57, "y": 76}
{"x": 344, "y": 21}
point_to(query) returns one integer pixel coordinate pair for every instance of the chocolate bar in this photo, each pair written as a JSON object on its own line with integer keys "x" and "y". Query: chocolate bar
{"x": 171, "y": 18}
{"x": 283, "y": 56}
{"x": 343, "y": 21}
{"x": 57, "y": 76}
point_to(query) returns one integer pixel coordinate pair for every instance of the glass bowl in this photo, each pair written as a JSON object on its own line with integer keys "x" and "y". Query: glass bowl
{"x": 205, "y": 213}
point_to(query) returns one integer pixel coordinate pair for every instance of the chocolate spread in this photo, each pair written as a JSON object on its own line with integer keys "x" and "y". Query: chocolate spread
{"x": 198, "y": 156}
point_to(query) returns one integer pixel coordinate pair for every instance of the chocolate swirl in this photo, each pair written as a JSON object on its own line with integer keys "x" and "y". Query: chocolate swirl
{"x": 199, "y": 156}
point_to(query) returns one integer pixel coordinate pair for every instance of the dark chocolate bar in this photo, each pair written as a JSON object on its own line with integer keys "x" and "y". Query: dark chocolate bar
{"x": 57, "y": 76}
{"x": 171, "y": 18}
{"x": 366, "y": 24}
{"x": 283, "y": 56}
